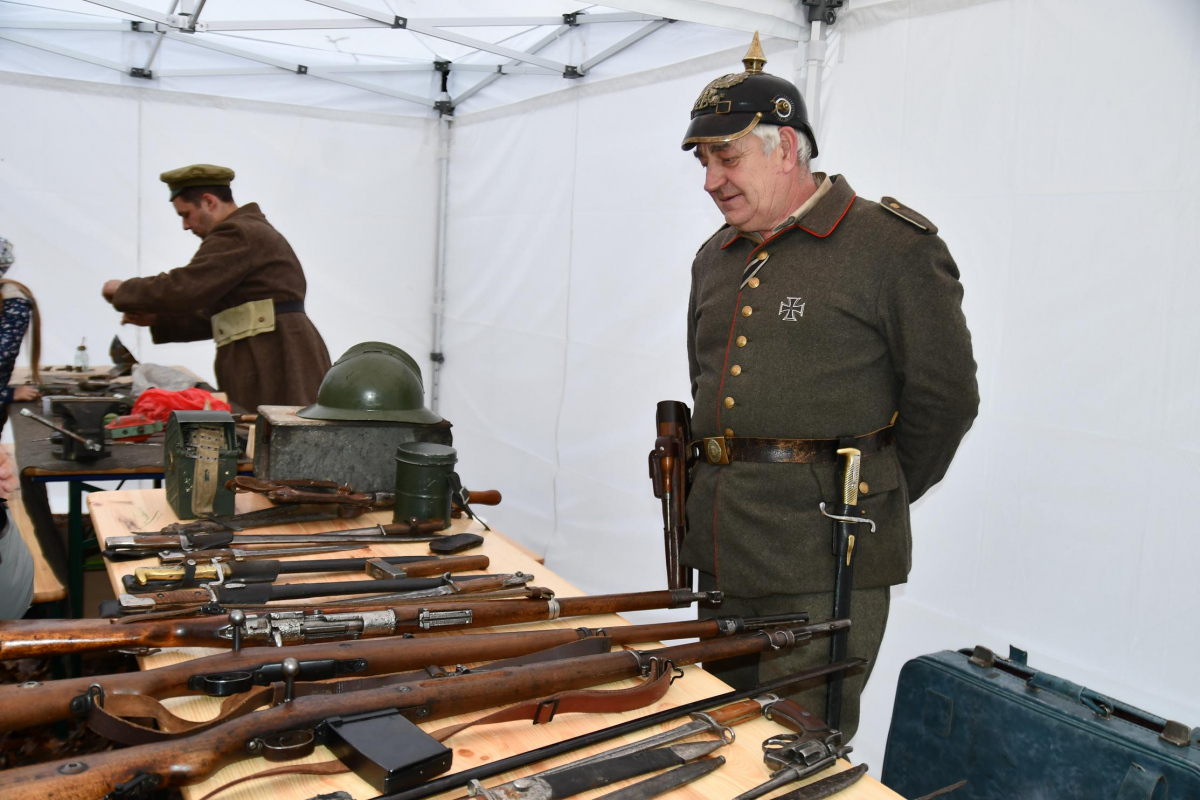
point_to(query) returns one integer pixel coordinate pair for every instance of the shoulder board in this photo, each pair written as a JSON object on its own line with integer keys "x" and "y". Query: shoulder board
{"x": 908, "y": 215}
{"x": 710, "y": 238}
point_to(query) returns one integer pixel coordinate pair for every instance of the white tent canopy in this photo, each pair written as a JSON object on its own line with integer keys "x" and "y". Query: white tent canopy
{"x": 551, "y": 221}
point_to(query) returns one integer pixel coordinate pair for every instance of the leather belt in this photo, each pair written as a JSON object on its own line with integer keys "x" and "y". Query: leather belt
{"x": 289, "y": 306}
{"x": 723, "y": 450}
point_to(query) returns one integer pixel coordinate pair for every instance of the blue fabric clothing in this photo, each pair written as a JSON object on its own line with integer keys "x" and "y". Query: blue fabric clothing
{"x": 14, "y": 323}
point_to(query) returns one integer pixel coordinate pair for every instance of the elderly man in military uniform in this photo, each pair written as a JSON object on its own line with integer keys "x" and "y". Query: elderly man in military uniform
{"x": 244, "y": 288}
{"x": 818, "y": 320}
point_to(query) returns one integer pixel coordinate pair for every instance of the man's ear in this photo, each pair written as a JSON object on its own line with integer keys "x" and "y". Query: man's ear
{"x": 789, "y": 143}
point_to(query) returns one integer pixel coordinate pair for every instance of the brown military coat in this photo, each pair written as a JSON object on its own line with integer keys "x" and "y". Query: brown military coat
{"x": 854, "y": 314}
{"x": 243, "y": 259}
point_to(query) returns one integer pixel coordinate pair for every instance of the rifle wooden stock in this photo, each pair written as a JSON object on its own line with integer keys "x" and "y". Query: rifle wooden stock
{"x": 195, "y": 758}
{"x": 671, "y": 448}
{"x": 25, "y": 705}
{"x": 41, "y": 638}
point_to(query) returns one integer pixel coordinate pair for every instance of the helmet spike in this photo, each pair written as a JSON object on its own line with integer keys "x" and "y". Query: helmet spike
{"x": 754, "y": 59}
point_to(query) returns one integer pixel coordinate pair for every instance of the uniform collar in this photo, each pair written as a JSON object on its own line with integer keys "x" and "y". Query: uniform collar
{"x": 821, "y": 218}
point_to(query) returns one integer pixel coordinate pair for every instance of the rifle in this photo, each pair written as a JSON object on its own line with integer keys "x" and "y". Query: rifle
{"x": 267, "y": 571}
{"x": 226, "y": 674}
{"x": 41, "y": 638}
{"x": 669, "y": 472}
{"x": 289, "y": 729}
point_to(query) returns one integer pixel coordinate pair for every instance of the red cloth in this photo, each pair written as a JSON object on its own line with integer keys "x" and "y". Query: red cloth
{"x": 157, "y": 404}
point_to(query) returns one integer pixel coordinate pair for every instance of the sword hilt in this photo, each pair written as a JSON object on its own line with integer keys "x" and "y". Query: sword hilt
{"x": 851, "y": 467}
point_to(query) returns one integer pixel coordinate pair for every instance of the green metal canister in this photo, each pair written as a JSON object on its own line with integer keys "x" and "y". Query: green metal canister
{"x": 423, "y": 471}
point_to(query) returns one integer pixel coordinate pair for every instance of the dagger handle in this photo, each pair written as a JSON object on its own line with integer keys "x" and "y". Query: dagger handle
{"x": 851, "y": 466}
{"x": 734, "y": 713}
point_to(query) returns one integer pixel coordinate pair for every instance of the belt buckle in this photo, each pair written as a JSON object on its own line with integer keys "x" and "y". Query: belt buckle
{"x": 715, "y": 450}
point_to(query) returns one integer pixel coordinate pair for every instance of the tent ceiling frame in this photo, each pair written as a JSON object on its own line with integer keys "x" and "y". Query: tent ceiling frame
{"x": 429, "y": 30}
{"x": 66, "y": 51}
{"x": 180, "y": 23}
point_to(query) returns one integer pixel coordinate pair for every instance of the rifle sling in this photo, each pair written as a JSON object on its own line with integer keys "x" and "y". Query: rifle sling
{"x": 113, "y": 718}
{"x": 579, "y": 701}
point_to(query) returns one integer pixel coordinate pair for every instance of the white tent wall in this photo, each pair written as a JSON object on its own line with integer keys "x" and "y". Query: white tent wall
{"x": 83, "y": 203}
{"x": 1065, "y": 184}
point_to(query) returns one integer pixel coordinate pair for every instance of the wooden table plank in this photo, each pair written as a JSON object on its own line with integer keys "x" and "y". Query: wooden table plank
{"x": 119, "y": 513}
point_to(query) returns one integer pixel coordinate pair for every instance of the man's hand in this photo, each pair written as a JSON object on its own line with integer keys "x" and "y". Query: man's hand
{"x": 110, "y": 289}
{"x": 8, "y": 474}
{"x": 142, "y": 318}
{"x": 25, "y": 394}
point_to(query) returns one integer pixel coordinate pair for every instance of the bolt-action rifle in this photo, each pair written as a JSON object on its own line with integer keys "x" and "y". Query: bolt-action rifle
{"x": 669, "y": 472}
{"x": 42, "y": 638}
{"x": 227, "y": 674}
{"x": 294, "y": 724}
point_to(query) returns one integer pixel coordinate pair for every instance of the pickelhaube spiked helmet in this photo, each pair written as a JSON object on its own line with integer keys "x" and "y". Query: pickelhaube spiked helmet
{"x": 733, "y": 105}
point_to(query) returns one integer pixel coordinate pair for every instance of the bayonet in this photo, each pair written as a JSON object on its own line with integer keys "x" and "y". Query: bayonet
{"x": 257, "y": 594}
{"x": 827, "y": 787}
{"x": 141, "y": 545}
{"x": 668, "y": 781}
{"x": 195, "y": 573}
{"x": 847, "y": 519}
{"x": 227, "y": 554}
{"x": 576, "y": 778}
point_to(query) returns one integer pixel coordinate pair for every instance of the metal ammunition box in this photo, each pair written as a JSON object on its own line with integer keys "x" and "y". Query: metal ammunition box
{"x": 199, "y": 457}
{"x": 423, "y": 489}
{"x": 358, "y": 453}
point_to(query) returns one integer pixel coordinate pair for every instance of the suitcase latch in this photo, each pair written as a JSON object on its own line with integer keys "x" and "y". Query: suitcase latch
{"x": 983, "y": 657}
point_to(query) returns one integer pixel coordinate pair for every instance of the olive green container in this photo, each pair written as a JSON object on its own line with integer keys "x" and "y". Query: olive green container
{"x": 423, "y": 472}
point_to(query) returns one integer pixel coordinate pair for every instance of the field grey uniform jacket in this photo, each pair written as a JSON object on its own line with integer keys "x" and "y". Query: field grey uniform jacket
{"x": 855, "y": 315}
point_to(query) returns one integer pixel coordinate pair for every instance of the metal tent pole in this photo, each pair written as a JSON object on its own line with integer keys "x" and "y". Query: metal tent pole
{"x": 810, "y": 57}
{"x": 439, "y": 274}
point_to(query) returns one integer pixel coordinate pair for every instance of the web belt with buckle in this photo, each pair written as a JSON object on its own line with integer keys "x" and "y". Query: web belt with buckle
{"x": 724, "y": 449}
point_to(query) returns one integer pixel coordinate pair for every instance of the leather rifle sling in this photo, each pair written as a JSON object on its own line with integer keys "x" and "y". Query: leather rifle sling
{"x": 112, "y": 717}
{"x": 580, "y": 701}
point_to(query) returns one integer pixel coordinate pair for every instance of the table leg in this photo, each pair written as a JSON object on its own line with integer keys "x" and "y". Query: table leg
{"x": 75, "y": 548}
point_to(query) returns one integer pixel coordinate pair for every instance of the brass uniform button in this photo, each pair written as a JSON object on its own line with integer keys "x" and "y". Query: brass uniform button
{"x": 894, "y": 205}
{"x": 863, "y": 488}
{"x": 262, "y": 319}
{"x": 741, "y": 341}
{"x": 747, "y": 311}
{"x": 729, "y": 402}
{"x": 753, "y": 282}
{"x": 762, "y": 256}
{"x": 729, "y": 433}
{"x": 735, "y": 370}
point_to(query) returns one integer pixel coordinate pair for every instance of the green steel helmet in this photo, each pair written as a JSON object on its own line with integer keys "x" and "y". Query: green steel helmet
{"x": 731, "y": 106}
{"x": 373, "y": 381}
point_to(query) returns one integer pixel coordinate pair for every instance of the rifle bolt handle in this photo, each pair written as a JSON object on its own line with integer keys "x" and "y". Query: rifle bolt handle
{"x": 291, "y": 668}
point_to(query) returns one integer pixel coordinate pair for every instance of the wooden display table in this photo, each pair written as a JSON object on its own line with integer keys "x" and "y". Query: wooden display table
{"x": 120, "y": 513}
{"x": 35, "y": 455}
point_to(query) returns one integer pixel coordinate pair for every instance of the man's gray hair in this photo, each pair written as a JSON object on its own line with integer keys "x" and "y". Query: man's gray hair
{"x": 769, "y": 136}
